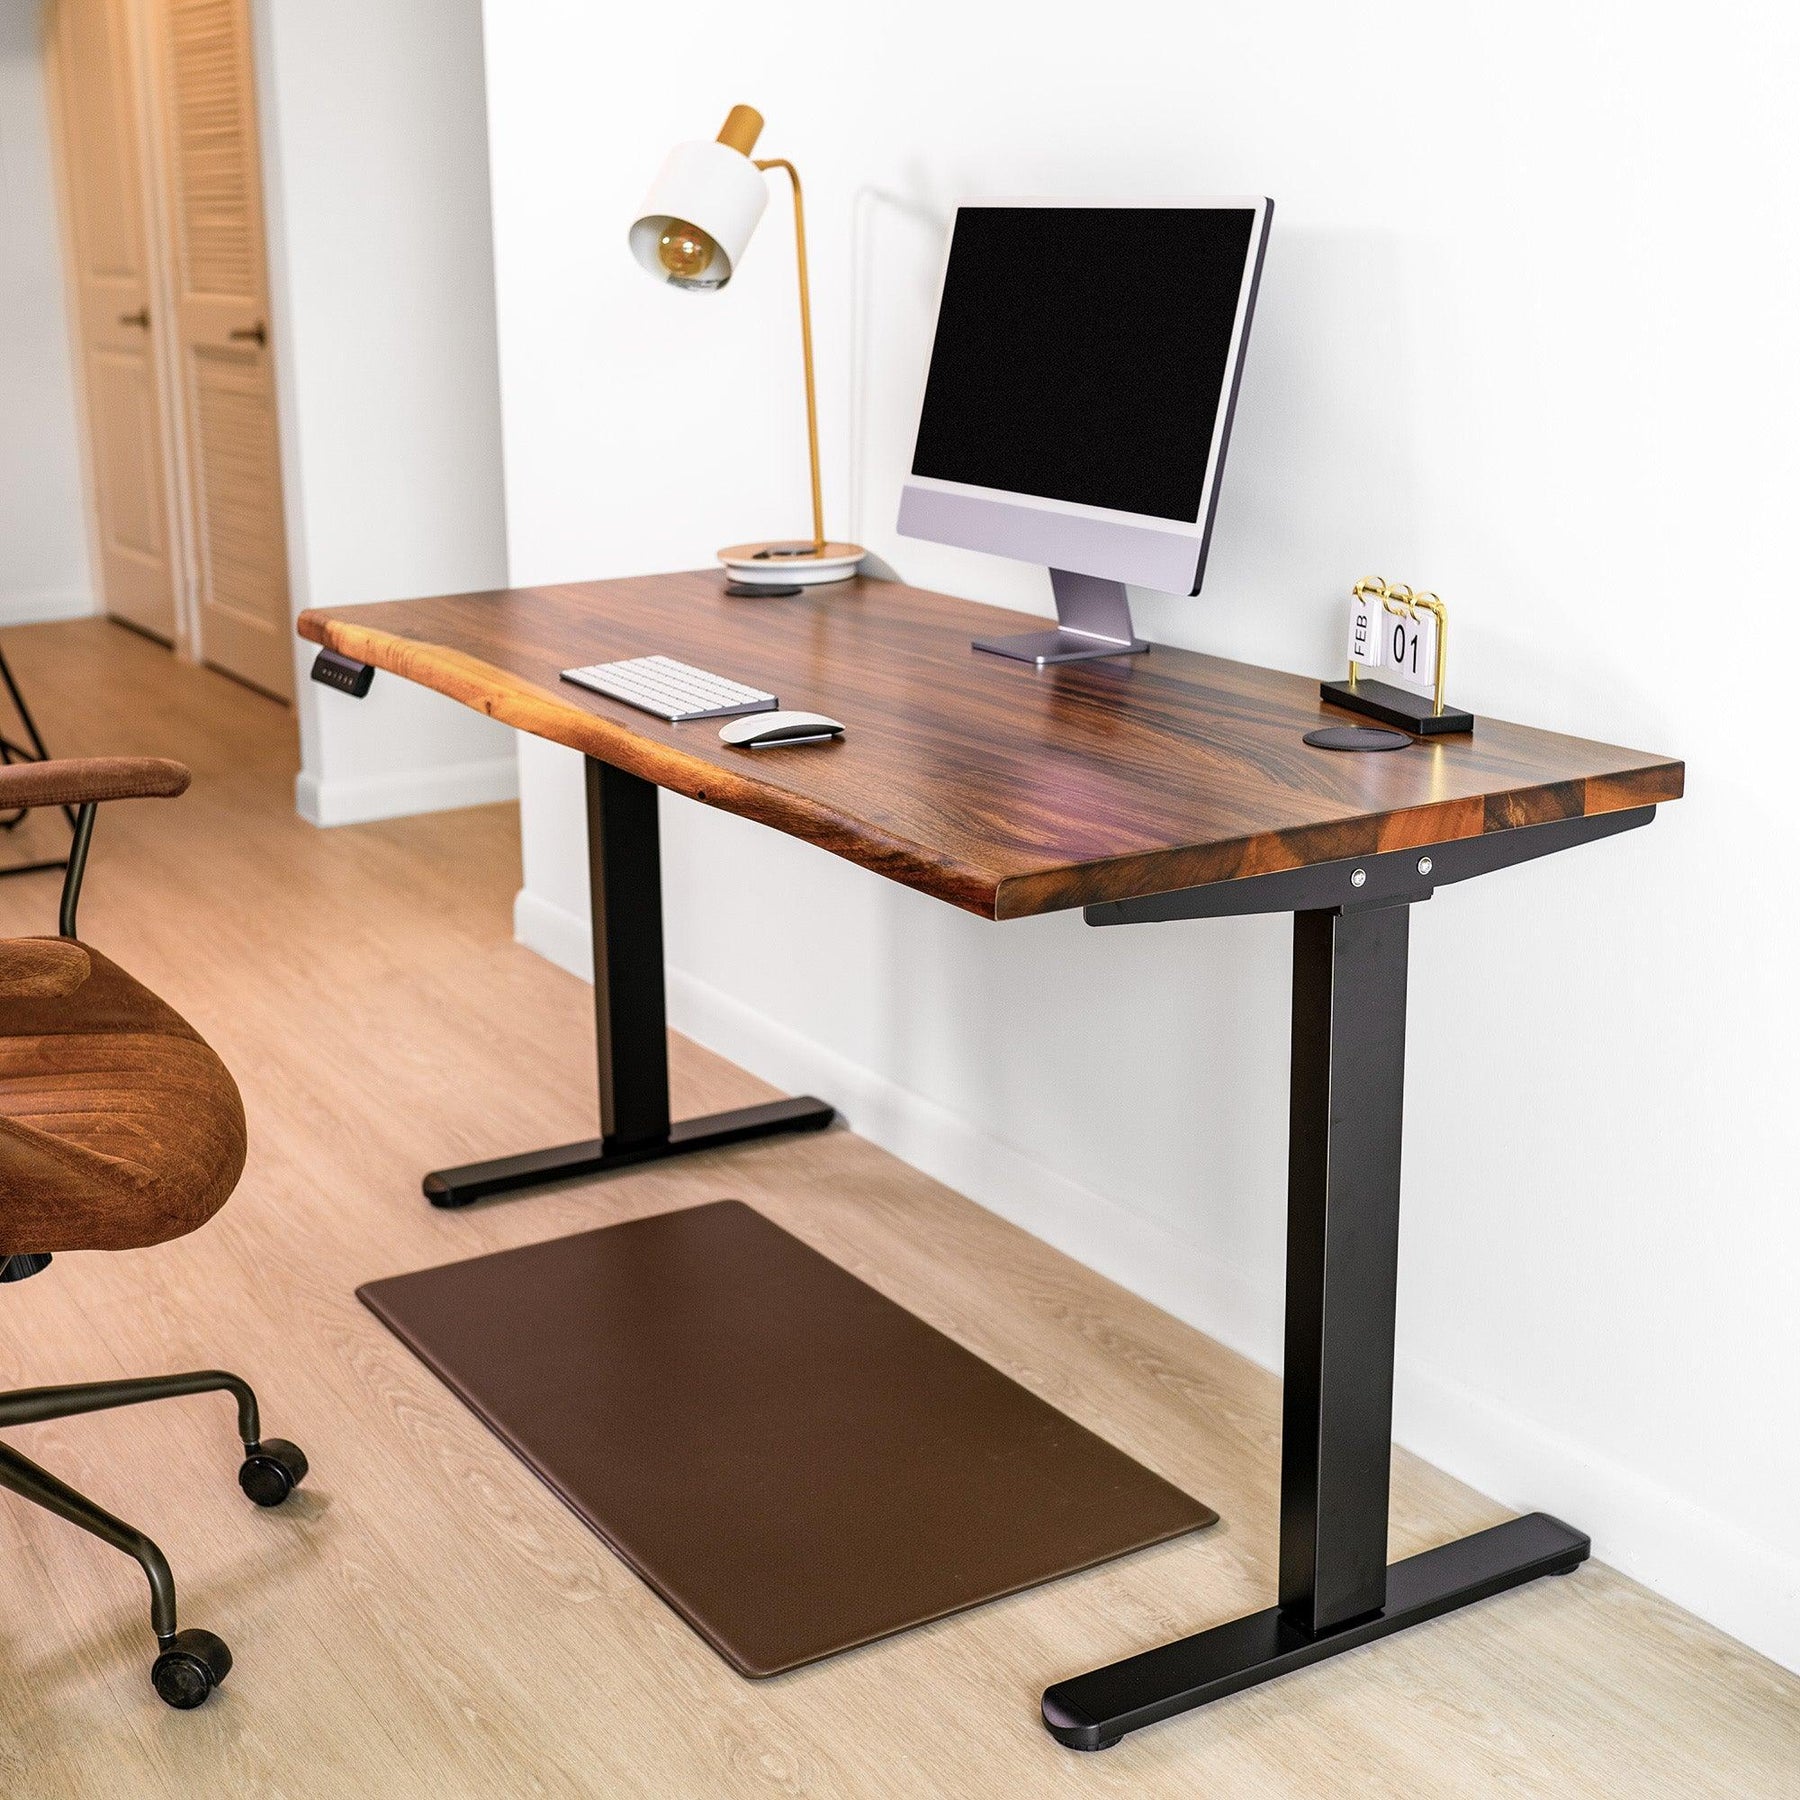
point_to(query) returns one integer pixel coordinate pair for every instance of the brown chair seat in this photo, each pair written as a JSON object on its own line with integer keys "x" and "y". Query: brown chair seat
{"x": 119, "y": 1127}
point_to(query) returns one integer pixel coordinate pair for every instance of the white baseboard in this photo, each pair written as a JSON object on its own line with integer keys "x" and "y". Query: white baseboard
{"x": 1745, "y": 1586}
{"x": 555, "y": 933}
{"x": 43, "y": 607}
{"x": 1121, "y": 1244}
{"x": 399, "y": 796}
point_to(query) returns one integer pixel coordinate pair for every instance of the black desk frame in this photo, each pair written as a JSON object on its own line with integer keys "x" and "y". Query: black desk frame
{"x": 1336, "y": 1590}
{"x": 630, "y": 1022}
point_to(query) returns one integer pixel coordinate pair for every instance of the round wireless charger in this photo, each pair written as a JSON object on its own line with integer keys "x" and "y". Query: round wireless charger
{"x": 1356, "y": 737}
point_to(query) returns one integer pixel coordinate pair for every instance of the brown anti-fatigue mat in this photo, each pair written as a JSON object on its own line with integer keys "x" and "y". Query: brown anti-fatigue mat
{"x": 796, "y": 1464}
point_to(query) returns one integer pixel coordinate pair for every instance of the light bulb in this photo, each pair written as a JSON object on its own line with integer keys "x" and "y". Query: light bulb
{"x": 686, "y": 252}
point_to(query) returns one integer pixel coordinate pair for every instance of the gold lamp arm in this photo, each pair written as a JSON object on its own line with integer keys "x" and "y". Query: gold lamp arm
{"x": 806, "y": 348}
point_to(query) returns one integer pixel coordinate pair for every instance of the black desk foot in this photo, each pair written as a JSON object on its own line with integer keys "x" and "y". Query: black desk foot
{"x": 1093, "y": 1711}
{"x": 595, "y": 1156}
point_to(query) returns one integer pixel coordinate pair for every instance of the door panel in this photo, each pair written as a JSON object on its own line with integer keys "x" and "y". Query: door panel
{"x": 127, "y": 440}
{"x": 234, "y": 429}
{"x": 227, "y": 382}
{"x": 207, "y": 70}
{"x": 136, "y": 525}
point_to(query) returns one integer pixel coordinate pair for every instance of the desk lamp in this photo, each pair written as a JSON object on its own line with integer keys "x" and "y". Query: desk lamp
{"x": 690, "y": 233}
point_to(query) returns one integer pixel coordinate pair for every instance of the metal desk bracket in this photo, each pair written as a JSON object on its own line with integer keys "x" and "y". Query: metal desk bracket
{"x": 1389, "y": 877}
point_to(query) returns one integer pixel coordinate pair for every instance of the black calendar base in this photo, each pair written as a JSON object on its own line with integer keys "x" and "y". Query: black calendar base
{"x": 1396, "y": 706}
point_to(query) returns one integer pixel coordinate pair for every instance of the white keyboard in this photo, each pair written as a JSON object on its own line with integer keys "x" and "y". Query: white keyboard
{"x": 675, "y": 691}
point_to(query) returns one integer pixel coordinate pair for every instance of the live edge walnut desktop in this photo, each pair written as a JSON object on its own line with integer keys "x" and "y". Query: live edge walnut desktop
{"x": 1144, "y": 790}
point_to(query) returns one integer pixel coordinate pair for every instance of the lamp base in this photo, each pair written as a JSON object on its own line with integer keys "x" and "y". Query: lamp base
{"x": 790, "y": 564}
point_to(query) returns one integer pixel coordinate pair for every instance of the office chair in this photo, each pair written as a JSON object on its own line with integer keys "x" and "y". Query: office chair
{"x": 119, "y": 1127}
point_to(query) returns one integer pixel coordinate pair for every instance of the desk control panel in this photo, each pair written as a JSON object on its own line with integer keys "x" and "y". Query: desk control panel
{"x": 343, "y": 673}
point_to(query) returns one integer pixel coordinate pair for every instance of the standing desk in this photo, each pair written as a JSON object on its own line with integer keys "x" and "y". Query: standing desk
{"x": 1143, "y": 790}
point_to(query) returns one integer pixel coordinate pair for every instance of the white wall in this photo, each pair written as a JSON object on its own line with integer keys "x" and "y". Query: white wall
{"x": 380, "y": 259}
{"x": 43, "y": 527}
{"x": 1526, "y": 338}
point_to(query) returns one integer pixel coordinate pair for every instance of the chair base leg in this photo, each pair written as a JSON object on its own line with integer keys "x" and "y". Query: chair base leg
{"x": 30, "y": 1482}
{"x": 189, "y": 1664}
{"x": 31, "y": 1406}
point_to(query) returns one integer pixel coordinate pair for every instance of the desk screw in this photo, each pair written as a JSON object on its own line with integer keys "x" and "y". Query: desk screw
{"x": 1358, "y": 877}
{"x": 1424, "y": 865}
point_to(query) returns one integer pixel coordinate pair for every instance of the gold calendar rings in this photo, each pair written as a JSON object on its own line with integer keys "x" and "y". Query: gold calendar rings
{"x": 1403, "y": 602}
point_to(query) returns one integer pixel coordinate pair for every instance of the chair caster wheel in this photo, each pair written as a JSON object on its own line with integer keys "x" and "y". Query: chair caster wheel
{"x": 272, "y": 1471}
{"x": 190, "y": 1668}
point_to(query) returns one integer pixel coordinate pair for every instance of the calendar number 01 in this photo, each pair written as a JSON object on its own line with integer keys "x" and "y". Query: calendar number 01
{"x": 1403, "y": 650}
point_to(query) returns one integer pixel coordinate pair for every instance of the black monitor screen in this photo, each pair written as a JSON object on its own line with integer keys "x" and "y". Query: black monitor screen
{"x": 1082, "y": 352}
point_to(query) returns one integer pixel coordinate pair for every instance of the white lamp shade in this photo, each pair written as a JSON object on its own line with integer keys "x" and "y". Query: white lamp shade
{"x": 710, "y": 185}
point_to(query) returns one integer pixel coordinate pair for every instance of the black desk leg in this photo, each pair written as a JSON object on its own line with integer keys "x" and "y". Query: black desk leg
{"x": 625, "y": 872}
{"x": 1336, "y": 1588}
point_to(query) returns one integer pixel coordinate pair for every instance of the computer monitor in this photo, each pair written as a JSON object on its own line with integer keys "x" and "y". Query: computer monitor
{"x": 1079, "y": 398}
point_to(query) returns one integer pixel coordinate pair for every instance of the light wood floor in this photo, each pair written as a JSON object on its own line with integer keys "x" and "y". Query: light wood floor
{"x": 425, "y": 1619}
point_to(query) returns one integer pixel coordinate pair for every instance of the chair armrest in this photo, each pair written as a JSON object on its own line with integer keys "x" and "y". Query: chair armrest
{"x": 82, "y": 780}
{"x": 41, "y": 968}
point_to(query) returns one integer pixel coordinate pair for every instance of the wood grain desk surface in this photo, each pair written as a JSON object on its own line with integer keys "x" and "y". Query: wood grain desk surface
{"x": 1002, "y": 788}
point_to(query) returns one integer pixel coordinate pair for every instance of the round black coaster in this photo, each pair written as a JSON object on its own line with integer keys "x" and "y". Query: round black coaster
{"x": 1356, "y": 737}
{"x": 757, "y": 590}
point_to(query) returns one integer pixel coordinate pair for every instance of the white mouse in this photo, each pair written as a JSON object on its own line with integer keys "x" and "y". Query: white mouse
{"x": 758, "y": 731}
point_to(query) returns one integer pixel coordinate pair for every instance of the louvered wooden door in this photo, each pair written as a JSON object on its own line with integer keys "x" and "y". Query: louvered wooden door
{"x": 221, "y": 301}
{"x": 109, "y": 258}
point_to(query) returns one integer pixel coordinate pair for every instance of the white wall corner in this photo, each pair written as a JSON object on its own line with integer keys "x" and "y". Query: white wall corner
{"x": 380, "y": 249}
{"x": 359, "y": 800}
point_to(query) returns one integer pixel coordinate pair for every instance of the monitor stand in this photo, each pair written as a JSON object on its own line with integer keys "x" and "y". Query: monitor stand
{"x": 1093, "y": 618}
